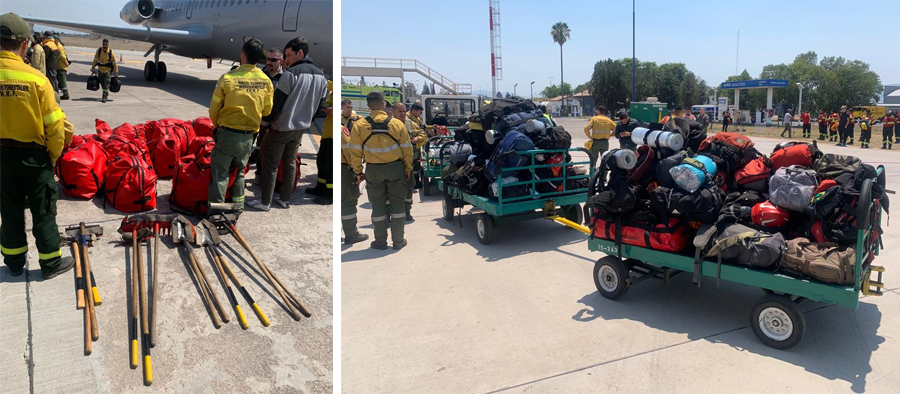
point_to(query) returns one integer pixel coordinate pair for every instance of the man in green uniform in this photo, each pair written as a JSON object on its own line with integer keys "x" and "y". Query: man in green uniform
{"x": 598, "y": 130}
{"x": 30, "y": 143}
{"x": 62, "y": 68}
{"x": 242, "y": 97}
{"x": 349, "y": 193}
{"x": 106, "y": 60}
{"x": 383, "y": 143}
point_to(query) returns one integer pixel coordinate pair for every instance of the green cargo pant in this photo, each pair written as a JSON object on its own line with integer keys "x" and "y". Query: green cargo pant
{"x": 349, "y": 201}
{"x": 597, "y": 149}
{"x": 325, "y": 164}
{"x": 61, "y": 76}
{"x": 104, "y": 82}
{"x": 232, "y": 150}
{"x": 385, "y": 183}
{"x": 28, "y": 173}
{"x": 279, "y": 146}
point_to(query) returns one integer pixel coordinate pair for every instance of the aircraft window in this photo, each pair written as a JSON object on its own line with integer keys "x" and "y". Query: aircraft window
{"x": 232, "y": 2}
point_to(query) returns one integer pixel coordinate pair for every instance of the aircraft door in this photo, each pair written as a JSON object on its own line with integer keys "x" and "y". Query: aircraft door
{"x": 291, "y": 15}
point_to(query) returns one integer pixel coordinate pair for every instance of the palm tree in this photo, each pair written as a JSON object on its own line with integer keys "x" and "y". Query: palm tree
{"x": 560, "y": 33}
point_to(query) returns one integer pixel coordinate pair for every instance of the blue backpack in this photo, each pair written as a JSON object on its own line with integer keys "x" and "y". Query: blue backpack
{"x": 505, "y": 155}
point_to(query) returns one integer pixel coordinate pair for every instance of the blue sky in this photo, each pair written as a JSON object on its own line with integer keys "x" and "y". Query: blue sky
{"x": 98, "y": 11}
{"x": 453, "y": 38}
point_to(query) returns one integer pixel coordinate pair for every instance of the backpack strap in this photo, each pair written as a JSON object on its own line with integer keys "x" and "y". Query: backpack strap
{"x": 380, "y": 128}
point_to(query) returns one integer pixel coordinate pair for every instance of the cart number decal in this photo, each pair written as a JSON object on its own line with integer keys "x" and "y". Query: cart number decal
{"x": 607, "y": 249}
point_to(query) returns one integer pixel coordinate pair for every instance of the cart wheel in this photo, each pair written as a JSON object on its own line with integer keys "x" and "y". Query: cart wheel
{"x": 484, "y": 226}
{"x": 610, "y": 274}
{"x": 778, "y": 322}
{"x": 448, "y": 205}
{"x": 574, "y": 213}
{"x": 426, "y": 184}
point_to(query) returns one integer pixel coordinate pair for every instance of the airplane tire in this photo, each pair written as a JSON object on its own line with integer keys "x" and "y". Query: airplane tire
{"x": 161, "y": 72}
{"x": 149, "y": 71}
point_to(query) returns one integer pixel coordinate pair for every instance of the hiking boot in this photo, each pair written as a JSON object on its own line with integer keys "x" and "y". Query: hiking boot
{"x": 315, "y": 191}
{"x": 409, "y": 218}
{"x": 65, "y": 96}
{"x": 883, "y": 146}
{"x": 380, "y": 245}
{"x": 65, "y": 264}
{"x": 359, "y": 237}
{"x": 16, "y": 273}
{"x": 322, "y": 200}
{"x": 400, "y": 245}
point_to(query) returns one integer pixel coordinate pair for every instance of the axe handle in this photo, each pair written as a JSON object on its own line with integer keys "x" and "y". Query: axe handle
{"x": 79, "y": 277}
{"x": 134, "y": 301}
{"x": 95, "y": 330}
{"x": 237, "y": 235}
{"x": 256, "y": 309}
{"x": 153, "y": 288}
{"x": 229, "y": 292}
{"x": 202, "y": 285}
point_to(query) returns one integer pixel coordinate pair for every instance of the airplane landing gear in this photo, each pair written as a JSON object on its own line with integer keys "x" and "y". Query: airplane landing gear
{"x": 161, "y": 72}
{"x": 149, "y": 71}
{"x": 155, "y": 69}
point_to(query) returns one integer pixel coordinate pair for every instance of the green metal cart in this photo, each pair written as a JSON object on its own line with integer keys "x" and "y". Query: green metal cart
{"x": 776, "y": 319}
{"x": 430, "y": 167}
{"x": 505, "y": 210}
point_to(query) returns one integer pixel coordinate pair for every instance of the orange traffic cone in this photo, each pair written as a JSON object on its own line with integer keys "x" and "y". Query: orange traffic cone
{"x": 120, "y": 58}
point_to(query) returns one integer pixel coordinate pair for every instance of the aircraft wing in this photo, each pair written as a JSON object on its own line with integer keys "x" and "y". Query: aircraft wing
{"x": 137, "y": 33}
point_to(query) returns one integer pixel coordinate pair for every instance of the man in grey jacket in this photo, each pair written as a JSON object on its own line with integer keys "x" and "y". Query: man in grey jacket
{"x": 703, "y": 119}
{"x": 300, "y": 93}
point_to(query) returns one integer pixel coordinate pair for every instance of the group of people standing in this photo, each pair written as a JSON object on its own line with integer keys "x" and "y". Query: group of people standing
{"x": 601, "y": 128}
{"x": 47, "y": 54}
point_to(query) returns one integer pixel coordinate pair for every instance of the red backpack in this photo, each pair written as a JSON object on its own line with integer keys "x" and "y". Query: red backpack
{"x": 203, "y": 127}
{"x": 166, "y": 152}
{"x": 730, "y": 151}
{"x": 81, "y": 170}
{"x": 130, "y": 185}
{"x": 755, "y": 175}
{"x": 787, "y": 154}
{"x": 190, "y": 186}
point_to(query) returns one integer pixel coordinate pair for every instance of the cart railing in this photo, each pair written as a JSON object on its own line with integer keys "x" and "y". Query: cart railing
{"x": 436, "y": 140}
{"x": 534, "y": 195}
{"x": 868, "y": 221}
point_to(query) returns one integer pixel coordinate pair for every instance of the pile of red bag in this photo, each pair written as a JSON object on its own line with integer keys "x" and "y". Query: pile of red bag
{"x": 124, "y": 163}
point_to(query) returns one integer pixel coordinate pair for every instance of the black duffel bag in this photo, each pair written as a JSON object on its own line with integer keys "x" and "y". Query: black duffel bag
{"x": 93, "y": 83}
{"x": 701, "y": 206}
{"x": 115, "y": 85}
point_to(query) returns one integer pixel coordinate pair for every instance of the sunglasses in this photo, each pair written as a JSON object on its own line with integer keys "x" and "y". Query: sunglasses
{"x": 273, "y": 59}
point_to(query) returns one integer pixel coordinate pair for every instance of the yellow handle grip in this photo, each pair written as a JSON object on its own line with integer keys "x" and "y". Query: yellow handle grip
{"x": 97, "y": 300}
{"x": 148, "y": 371}
{"x": 134, "y": 353}
{"x": 240, "y": 316}
{"x": 261, "y": 315}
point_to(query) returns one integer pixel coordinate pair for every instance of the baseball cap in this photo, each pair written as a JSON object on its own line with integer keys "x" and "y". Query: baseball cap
{"x": 14, "y": 27}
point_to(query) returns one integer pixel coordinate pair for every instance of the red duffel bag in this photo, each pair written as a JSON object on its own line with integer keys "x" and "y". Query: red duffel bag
{"x": 280, "y": 176}
{"x": 791, "y": 153}
{"x": 203, "y": 127}
{"x": 190, "y": 186}
{"x": 166, "y": 153}
{"x": 180, "y": 129}
{"x": 201, "y": 148}
{"x": 131, "y": 133}
{"x": 755, "y": 175}
{"x": 81, "y": 170}
{"x": 130, "y": 185}
{"x": 103, "y": 131}
{"x": 117, "y": 146}
{"x": 671, "y": 237}
{"x": 77, "y": 140}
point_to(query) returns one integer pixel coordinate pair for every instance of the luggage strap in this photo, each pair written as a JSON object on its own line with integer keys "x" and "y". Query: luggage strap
{"x": 744, "y": 238}
{"x": 380, "y": 128}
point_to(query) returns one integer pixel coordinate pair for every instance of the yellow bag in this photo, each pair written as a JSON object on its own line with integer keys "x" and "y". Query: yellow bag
{"x": 588, "y": 144}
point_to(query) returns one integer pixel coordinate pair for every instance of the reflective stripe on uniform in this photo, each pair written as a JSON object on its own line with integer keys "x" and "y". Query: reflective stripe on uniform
{"x": 329, "y": 186}
{"x": 347, "y": 146}
{"x": 238, "y": 199}
{"x": 7, "y": 75}
{"x": 386, "y": 150}
{"x": 13, "y": 251}
{"x": 53, "y": 117}
{"x": 407, "y": 199}
{"x": 348, "y": 217}
{"x": 379, "y": 218}
{"x": 48, "y": 256}
{"x": 320, "y": 180}
{"x": 398, "y": 216}
{"x": 217, "y": 99}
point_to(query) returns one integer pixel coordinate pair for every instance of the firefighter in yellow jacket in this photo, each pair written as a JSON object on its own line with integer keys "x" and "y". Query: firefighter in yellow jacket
{"x": 62, "y": 68}
{"x": 383, "y": 143}
{"x": 30, "y": 142}
{"x": 105, "y": 59}
{"x": 418, "y": 136}
{"x": 348, "y": 115}
{"x": 324, "y": 189}
{"x": 599, "y": 130}
{"x": 349, "y": 193}
{"x": 51, "y": 53}
{"x": 242, "y": 97}
{"x": 38, "y": 59}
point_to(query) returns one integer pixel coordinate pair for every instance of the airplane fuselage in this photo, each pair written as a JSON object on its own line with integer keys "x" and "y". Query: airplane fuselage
{"x": 219, "y": 27}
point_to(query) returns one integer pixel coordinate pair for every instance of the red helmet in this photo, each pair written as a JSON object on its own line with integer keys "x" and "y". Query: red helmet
{"x": 768, "y": 215}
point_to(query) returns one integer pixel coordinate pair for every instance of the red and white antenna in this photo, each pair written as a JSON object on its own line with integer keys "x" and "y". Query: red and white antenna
{"x": 496, "y": 60}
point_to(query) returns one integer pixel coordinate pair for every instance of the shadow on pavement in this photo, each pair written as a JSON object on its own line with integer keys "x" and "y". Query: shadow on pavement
{"x": 185, "y": 86}
{"x": 838, "y": 342}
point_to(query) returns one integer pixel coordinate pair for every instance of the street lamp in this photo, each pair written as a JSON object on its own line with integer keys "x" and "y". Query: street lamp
{"x": 800, "y": 103}
{"x": 532, "y": 90}
{"x": 514, "y": 90}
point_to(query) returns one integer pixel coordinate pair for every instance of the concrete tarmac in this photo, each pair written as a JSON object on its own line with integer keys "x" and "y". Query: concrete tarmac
{"x": 449, "y": 315}
{"x": 41, "y": 334}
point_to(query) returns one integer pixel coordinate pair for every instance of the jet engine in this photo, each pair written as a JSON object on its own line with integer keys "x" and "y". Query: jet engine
{"x": 137, "y": 11}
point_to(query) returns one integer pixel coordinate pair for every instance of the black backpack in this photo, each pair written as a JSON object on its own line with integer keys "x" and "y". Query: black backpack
{"x": 701, "y": 206}
{"x": 616, "y": 196}
{"x": 551, "y": 138}
{"x": 667, "y": 163}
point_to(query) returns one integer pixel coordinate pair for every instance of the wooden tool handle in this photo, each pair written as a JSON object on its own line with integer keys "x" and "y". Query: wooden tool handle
{"x": 134, "y": 299}
{"x": 79, "y": 277}
{"x": 215, "y": 297}
{"x": 234, "y": 302}
{"x": 89, "y": 302}
{"x": 259, "y": 313}
{"x": 265, "y": 271}
{"x": 153, "y": 287}
{"x": 196, "y": 272}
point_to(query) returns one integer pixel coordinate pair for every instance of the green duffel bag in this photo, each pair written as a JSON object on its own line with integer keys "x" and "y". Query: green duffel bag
{"x": 830, "y": 165}
{"x": 825, "y": 261}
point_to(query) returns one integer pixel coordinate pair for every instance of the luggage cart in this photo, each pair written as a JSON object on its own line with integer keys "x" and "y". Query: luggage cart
{"x": 430, "y": 167}
{"x": 505, "y": 210}
{"x": 776, "y": 319}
